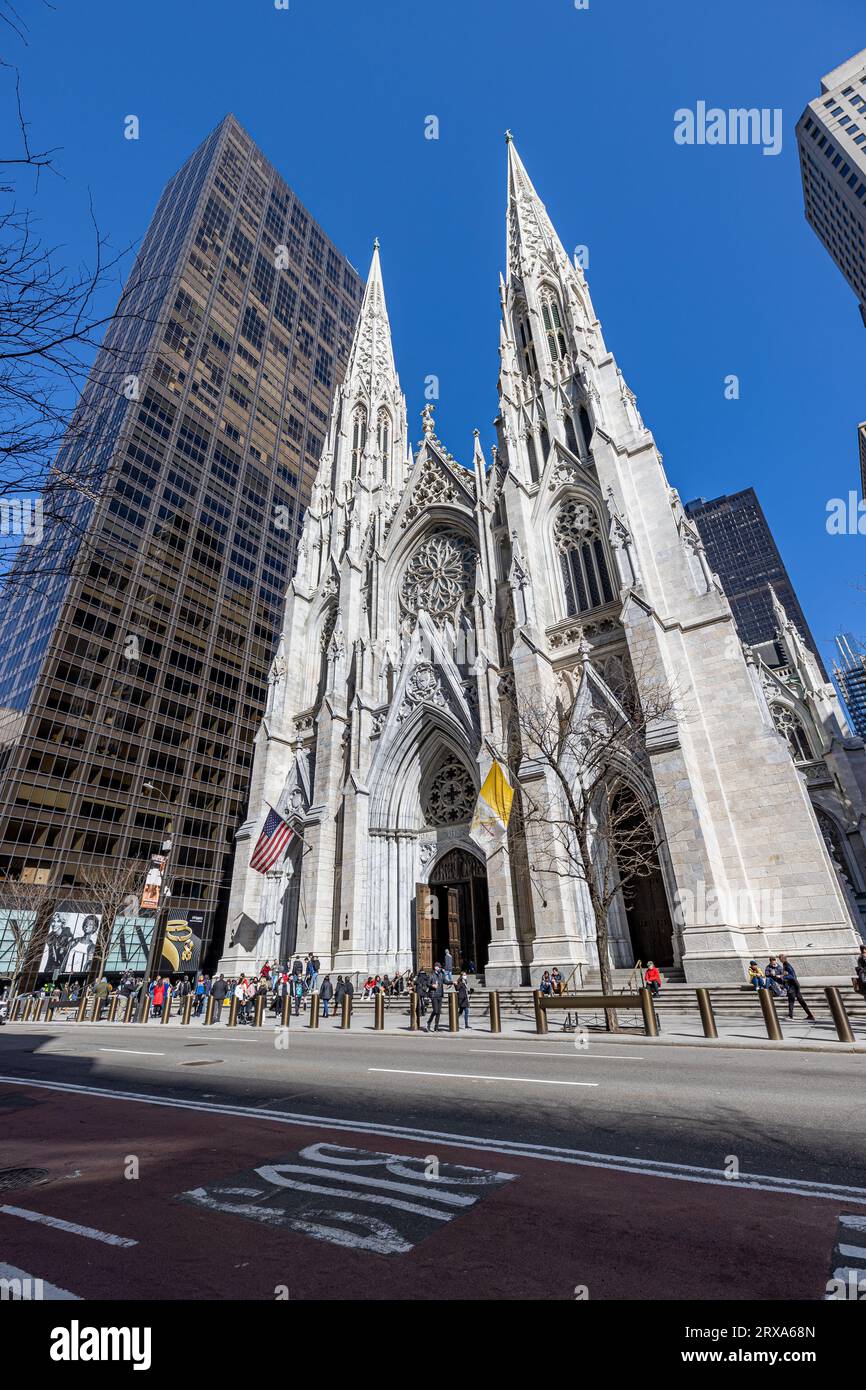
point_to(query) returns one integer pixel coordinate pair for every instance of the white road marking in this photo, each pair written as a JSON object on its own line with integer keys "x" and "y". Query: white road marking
{"x": 46, "y": 1291}
{"x": 472, "y": 1076}
{"x": 588, "y": 1052}
{"x": 853, "y": 1252}
{"x": 853, "y": 1223}
{"x": 71, "y": 1226}
{"x": 273, "y": 1173}
{"x": 547, "y": 1153}
{"x": 131, "y": 1052}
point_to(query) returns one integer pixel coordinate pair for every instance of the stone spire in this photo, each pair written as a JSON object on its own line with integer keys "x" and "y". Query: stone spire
{"x": 367, "y": 440}
{"x": 371, "y": 367}
{"x": 531, "y": 237}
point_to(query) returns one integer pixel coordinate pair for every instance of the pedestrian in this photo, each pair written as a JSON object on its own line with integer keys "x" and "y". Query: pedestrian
{"x": 348, "y": 992}
{"x": 239, "y": 994}
{"x": 449, "y": 965}
{"x": 326, "y": 994}
{"x": 860, "y": 970}
{"x": 219, "y": 992}
{"x": 463, "y": 1000}
{"x": 198, "y": 1005}
{"x": 792, "y": 989}
{"x": 298, "y": 989}
{"x": 314, "y": 972}
{"x": 102, "y": 991}
{"x": 557, "y": 981}
{"x": 774, "y": 977}
{"x": 422, "y": 989}
{"x": 545, "y": 985}
{"x": 436, "y": 990}
{"x": 157, "y": 997}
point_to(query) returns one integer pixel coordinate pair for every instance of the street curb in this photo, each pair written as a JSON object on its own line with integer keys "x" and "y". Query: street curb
{"x": 639, "y": 1040}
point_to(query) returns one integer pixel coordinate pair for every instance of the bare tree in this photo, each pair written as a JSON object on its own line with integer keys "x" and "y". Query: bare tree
{"x": 589, "y": 816}
{"x": 27, "y": 908}
{"x": 114, "y": 890}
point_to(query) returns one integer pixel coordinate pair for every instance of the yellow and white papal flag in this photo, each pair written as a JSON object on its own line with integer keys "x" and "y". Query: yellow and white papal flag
{"x": 493, "y": 810}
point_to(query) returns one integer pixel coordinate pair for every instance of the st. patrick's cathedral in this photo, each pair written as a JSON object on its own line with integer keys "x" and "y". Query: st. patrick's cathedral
{"x": 428, "y": 595}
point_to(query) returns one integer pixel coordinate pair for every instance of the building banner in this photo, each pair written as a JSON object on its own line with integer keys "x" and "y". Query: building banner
{"x": 181, "y": 945}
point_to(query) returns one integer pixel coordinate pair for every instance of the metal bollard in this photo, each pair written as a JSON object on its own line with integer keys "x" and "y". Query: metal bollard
{"x": 208, "y": 1013}
{"x": 81, "y": 1011}
{"x": 28, "y": 1009}
{"x": 378, "y": 1012}
{"x": 346, "y": 1012}
{"x": 495, "y": 1020}
{"x": 286, "y": 1011}
{"x": 187, "y": 1008}
{"x": 314, "y": 1010}
{"x": 166, "y": 1008}
{"x": 650, "y": 1022}
{"x": 453, "y": 1020}
{"x": 260, "y": 1011}
{"x": 708, "y": 1018}
{"x": 768, "y": 1009}
{"x": 840, "y": 1014}
{"x": 540, "y": 1015}
{"x": 113, "y": 1007}
{"x": 414, "y": 1017}
{"x": 233, "y": 1013}
{"x": 130, "y": 1008}
{"x": 37, "y": 1010}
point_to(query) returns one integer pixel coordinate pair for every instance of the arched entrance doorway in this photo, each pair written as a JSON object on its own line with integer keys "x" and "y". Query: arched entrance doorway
{"x": 643, "y": 893}
{"x": 453, "y": 913}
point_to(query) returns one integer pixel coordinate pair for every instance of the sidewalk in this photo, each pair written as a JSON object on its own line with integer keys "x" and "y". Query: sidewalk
{"x": 679, "y": 1030}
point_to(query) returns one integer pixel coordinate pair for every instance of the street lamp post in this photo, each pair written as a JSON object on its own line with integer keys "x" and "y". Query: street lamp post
{"x": 154, "y": 942}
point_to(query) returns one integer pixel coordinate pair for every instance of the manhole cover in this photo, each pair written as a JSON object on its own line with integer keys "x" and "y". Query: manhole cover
{"x": 21, "y": 1177}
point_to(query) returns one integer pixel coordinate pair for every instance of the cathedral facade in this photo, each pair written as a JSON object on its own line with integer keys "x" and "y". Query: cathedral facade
{"x": 429, "y": 595}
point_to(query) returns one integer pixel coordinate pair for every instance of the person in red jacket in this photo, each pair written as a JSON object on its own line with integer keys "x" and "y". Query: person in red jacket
{"x": 158, "y": 998}
{"x": 652, "y": 979}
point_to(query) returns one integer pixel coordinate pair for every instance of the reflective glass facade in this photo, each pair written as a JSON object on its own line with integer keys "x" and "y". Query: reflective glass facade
{"x": 149, "y": 663}
{"x": 741, "y": 550}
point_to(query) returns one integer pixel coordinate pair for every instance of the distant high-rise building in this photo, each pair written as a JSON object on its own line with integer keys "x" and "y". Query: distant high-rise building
{"x": 831, "y": 136}
{"x": 741, "y": 549}
{"x": 133, "y": 683}
{"x": 849, "y": 672}
{"x": 861, "y": 441}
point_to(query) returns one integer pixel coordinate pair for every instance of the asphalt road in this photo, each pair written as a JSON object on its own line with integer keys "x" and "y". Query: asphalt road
{"x": 607, "y": 1167}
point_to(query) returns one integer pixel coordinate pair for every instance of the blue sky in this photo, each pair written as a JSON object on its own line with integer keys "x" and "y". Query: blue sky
{"x": 700, "y": 261}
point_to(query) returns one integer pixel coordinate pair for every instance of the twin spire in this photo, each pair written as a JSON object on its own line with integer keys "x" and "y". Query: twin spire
{"x": 531, "y": 238}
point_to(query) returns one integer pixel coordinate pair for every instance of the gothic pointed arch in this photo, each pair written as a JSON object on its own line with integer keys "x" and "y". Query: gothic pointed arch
{"x": 583, "y": 559}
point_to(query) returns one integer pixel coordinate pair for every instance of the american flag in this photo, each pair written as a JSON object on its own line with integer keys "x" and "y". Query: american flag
{"x": 275, "y": 835}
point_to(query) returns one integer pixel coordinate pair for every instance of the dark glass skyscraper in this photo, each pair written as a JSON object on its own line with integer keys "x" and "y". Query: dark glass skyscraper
{"x": 131, "y": 688}
{"x": 741, "y": 549}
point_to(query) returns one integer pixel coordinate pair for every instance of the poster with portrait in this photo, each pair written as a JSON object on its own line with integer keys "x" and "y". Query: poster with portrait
{"x": 70, "y": 943}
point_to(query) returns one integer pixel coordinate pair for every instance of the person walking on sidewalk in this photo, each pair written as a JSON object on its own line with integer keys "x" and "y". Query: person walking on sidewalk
{"x": 219, "y": 991}
{"x": 436, "y": 990}
{"x": 463, "y": 1000}
{"x": 326, "y": 994}
{"x": 349, "y": 992}
{"x": 860, "y": 970}
{"x": 792, "y": 989}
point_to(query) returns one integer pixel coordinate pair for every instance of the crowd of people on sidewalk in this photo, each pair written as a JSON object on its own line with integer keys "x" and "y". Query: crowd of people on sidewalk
{"x": 303, "y": 978}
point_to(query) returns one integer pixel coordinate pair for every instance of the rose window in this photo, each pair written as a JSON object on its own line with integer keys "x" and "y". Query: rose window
{"x": 451, "y": 798}
{"x": 439, "y": 575}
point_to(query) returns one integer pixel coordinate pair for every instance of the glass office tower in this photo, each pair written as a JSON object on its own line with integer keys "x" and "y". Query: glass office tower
{"x": 132, "y": 682}
{"x": 741, "y": 549}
